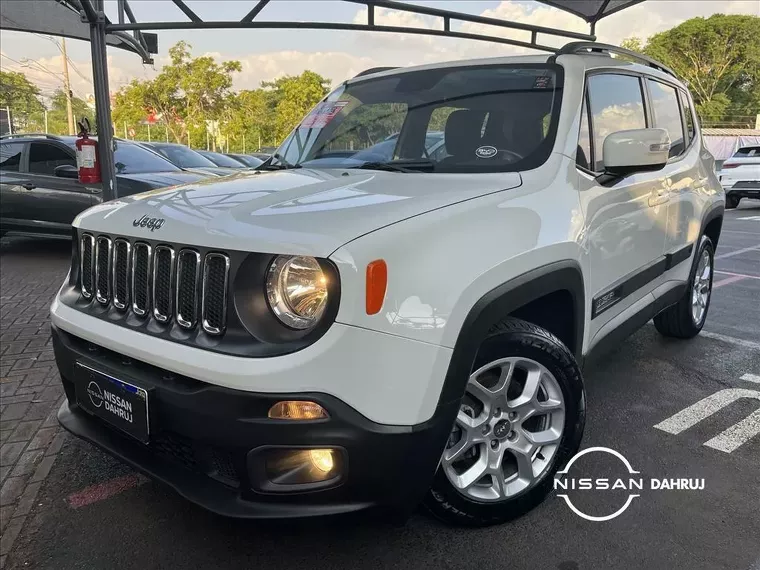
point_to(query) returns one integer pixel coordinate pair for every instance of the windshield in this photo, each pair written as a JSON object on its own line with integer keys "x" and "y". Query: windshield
{"x": 460, "y": 119}
{"x": 222, "y": 160}
{"x": 183, "y": 156}
{"x": 247, "y": 160}
{"x": 133, "y": 159}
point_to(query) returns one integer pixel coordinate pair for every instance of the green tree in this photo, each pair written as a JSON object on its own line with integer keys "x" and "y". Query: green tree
{"x": 22, "y": 98}
{"x": 57, "y": 117}
{"x": 719, "y": 57}
{"x": 293, "y": 98}
{"x": 185, "y": 94}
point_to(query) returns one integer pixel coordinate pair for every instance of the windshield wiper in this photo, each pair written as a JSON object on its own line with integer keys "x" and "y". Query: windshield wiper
{"x": 281, "y": 164}
{"x": 399, "y": 166}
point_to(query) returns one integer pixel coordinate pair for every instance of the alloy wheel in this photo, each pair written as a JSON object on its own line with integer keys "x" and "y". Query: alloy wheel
{"x": 507, "y": 430}
{"x": 701, "y": 288}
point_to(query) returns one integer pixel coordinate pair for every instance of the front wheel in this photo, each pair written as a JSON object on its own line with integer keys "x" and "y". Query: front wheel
{"x": 520, "y": 420}
{"x": 687, "y": 317}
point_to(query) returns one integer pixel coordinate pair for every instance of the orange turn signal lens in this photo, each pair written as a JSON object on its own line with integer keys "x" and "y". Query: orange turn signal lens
{"x": 377, "y": 283}
{"x": 297, "y": 410}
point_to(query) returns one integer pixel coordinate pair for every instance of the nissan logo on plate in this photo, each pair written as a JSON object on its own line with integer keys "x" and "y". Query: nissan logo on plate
{"x": 95, "y": 394}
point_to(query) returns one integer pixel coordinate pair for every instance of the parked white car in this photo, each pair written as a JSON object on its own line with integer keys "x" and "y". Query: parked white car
{"x": 740, "y": 175}
{"x": 324, "y": 337}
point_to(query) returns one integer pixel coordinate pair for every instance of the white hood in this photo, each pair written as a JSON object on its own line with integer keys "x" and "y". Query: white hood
{"x": 304, "y": 211}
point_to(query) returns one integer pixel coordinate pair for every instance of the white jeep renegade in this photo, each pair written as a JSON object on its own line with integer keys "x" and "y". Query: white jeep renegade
{"x": 394, "y": 309}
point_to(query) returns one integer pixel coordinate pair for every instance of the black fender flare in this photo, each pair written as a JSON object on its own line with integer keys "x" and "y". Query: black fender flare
{"x": 502, "y": 301}
{"x": 716, "y": 210}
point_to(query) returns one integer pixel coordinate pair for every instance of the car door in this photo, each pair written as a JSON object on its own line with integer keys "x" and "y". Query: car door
{"x": 682, "y": 174}
{"x": 13, "y": 185}
{"x": 55, "y": 200}
{"x": 625, "y": 221}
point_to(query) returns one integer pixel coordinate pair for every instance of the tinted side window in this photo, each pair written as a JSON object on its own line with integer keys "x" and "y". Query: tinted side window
{"x": 691, "y": 128}
{"x": 667, "y": 114}
{"x": 10, "y": 156}
{"x": 44, "y": 158}
{"x": 616, "y": 105}
{"x": 583, "y": 157}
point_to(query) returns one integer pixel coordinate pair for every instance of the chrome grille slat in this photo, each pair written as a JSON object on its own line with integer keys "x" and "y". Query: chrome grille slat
{"x": 216, "y": 269}
{"x": 121, "y": 273}
{"x": 169, "y": 285}
{"x": 142, "y": 255}
{"x": 188, "y": 271}
{"x": 103, "y": 258}
{"x": 87, "y": 265}
{"x": 163, "y": 281}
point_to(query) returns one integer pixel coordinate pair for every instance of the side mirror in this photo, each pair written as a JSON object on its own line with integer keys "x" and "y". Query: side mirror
{"x": 638, "y": 150}
{"x": 66, "y": 171}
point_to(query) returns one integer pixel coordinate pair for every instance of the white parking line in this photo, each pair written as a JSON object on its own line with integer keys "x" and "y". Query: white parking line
{"x": 728, "y": 440}
{"x": 751, "y": 378}
{"x": 731, "y": 340}
{"x": 738, "y": 251}
{"x": 738, "y": 434}
{"x": 728, "y": 280}
{"x": 738, "y": 274}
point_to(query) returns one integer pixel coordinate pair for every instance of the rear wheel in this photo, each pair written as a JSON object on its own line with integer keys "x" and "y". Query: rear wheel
{"x": 520, "y": 420}
{"x": 732, "y": 202}
{"x": 687, "y": 317}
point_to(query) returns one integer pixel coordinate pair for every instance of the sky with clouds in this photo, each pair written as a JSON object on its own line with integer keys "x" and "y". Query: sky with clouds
{"x": 267, "y": 54}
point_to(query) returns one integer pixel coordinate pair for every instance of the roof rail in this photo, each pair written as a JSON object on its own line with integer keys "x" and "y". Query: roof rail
{"x": 594, "y": 47}
{"x": 372, "y": 70}
{"x": 31, "y": 135}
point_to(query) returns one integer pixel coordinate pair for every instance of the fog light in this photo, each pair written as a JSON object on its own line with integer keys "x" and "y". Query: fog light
{"x": 297, "y": 410}
{"x": 286, "y": 467}
{"x": 322, "y": 459}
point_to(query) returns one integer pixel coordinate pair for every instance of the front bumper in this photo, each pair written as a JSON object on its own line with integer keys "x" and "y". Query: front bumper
{"x": 204, "y": 440}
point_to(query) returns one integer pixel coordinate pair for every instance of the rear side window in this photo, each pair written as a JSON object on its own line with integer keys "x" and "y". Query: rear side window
{"x": 44, "y": 158}
{"x": 691, "y": 127}
{"x": 747, "y": 152}
{"x": 617, "y": 104}
{"x": 667, "y": 114}
{"x": 10, "y": 156}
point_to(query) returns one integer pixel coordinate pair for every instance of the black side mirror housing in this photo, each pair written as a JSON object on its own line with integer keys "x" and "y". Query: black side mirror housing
{"x": 66, "y": 171}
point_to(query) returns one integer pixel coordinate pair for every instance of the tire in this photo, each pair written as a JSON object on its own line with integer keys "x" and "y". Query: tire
{"x": 514, "y": 343}
{"x": 732, "y": 202}
{"x": 679, "y": 320}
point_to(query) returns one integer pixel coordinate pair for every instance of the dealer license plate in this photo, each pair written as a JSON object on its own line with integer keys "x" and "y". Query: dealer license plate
{"x": 121, "y": 404}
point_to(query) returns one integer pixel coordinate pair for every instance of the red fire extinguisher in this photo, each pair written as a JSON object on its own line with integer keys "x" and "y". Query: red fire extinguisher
{"x": 87, "y": 155}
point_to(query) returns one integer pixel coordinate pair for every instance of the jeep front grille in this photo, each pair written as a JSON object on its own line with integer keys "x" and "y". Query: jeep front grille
{"x": 156, "y": 281}
{"x": 120, "y": 278}
{"x": 141, "y": 279}
{"x": 102, "y": 270}
{"x": 163, "y": 279}
{"x": 87, "y": 265}
{"x": 214, "y": 299}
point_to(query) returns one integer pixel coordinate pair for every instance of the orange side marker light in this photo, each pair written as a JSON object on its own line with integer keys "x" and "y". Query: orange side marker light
{"x": 377, "y": 283}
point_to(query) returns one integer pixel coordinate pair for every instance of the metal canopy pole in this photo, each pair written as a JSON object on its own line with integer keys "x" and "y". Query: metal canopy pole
{"x": 102, "y": 96}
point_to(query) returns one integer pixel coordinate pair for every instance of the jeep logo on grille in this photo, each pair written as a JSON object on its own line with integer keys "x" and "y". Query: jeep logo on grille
{"x": 146, "y": 222}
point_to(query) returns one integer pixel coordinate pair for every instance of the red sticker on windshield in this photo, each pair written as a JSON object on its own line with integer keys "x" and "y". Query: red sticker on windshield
{"x": 322, "y": 114}
{"x": 542, "y": 82}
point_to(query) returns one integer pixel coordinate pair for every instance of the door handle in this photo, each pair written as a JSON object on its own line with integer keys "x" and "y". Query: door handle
{"x": 28, "y": 186}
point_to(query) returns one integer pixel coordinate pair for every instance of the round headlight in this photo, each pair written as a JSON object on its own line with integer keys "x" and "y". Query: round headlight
{"x": 297, "y": 291}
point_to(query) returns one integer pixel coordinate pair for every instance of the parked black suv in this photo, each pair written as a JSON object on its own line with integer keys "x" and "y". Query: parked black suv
{"x": 40, "y": 192}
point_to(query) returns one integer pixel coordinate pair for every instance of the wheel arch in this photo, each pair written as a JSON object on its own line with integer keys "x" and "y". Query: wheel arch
{"x": 565, "y": 277}
{"x": 712, "y": 223}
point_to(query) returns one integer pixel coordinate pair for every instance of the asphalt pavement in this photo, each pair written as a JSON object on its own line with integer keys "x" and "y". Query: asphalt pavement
{"x": 92, "y": 512}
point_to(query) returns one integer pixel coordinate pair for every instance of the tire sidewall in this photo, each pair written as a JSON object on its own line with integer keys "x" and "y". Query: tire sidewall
{"x": 560, "y": 362}
{"x": 705, "y": 243}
